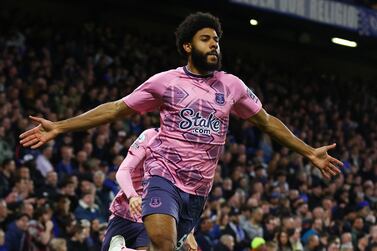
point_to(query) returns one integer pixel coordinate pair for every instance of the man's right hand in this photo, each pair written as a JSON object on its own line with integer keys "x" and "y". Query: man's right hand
{"x": 135, "y": 206}
{"x": 39, "y": 135}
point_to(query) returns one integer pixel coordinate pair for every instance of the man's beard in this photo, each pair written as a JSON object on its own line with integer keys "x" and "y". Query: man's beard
{"x": 201, "y": 63}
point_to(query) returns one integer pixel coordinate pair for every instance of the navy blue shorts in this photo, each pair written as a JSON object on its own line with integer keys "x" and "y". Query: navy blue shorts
{"x": 134, "y": 233}
{"x": 160, "y": 196}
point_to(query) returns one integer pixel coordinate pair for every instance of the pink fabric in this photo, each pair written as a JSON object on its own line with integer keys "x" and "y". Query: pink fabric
{"x": 130, "y": 249}
{"x": 194, "y": 117}
{"x": 130, "y": 175}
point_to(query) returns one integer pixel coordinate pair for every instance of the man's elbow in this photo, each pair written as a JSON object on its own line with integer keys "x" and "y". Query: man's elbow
{"x": 265, "y": 123}
{"x": 121, "y": 109}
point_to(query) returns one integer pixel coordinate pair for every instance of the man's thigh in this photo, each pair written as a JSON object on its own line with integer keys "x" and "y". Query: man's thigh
{"x": 181, "y": 209}
{"x": 161, "y": 228}
{"x": 160, "y": 209}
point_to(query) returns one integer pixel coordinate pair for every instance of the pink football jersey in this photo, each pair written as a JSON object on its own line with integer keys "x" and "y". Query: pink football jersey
{"x": 194, "y": 118}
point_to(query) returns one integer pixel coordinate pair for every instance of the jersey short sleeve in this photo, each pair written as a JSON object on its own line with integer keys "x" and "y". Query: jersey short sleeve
{"x": 247, "y": 103}
{"x": 148, "y": 96}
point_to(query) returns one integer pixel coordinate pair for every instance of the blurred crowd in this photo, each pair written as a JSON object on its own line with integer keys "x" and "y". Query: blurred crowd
{"x": 57, "y": 197}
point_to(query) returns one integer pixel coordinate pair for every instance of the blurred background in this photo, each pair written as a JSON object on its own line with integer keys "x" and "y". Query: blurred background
{"x": 311, "y": 62}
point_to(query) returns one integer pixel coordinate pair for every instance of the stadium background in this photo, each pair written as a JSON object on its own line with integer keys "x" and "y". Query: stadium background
{"x": 60, "y": 58}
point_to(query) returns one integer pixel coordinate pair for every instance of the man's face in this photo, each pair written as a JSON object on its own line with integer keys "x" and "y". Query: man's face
{"x": 25, "y": 173}
{"x": 22, "y": 223}
{"x": 235, "y": 219}
{"x": 313, "y": 242}
{"x": 205, "y": 50}
{"x": 318, "y": 224}
{"x": 28, "y": 209}
{"x": 46, "y": 217}
{"x": 52, "y": 178}
{"x": 258, "y": 215}
{"x": 334, "y": 246}
{"x": 230, "y": 244}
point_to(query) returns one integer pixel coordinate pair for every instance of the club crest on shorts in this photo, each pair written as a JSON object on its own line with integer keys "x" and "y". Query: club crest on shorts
{"x": 155, "y": 202}
{"x": 219, "y": 98}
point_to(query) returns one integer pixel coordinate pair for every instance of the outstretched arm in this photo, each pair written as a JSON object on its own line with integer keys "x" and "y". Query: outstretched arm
{"x": 101, "y": 114}
{"x": 277, "y": 130}
{"x": 47, "y": 130}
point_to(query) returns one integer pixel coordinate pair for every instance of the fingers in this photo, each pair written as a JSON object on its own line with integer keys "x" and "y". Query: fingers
{"x": 37, "y": 145}
{"x": 30, "y": 132}
{"x": 336, "y": 161}
{"x": 329, "y": 147}
{"x": 33, "y": 130}
{"x": 138, "y": 207}
{"x": 36, "y": 119}
{"x": 32, "y": 141}
{"x": 332, "y": 170}
{"x": 25, "y": 134}
{"x": 26, "y": 140}
{"x": 135, "y": 207}
{"x": 132, "y": 212}
{"x": 325, "y": 174}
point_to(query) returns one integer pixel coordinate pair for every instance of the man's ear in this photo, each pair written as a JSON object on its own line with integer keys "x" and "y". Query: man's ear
{"x": 187, "y": 47}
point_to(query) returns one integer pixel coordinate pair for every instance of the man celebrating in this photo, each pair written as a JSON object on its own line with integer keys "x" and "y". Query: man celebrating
{"x": 194, "y": 102}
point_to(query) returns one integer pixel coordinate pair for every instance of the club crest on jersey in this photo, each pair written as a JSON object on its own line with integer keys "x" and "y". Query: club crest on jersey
{"x": 219, "y": 98}
{"x": 155, "y": 202}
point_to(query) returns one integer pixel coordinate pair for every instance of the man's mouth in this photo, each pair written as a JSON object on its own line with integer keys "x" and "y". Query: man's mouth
{"x": 212, "y": 54}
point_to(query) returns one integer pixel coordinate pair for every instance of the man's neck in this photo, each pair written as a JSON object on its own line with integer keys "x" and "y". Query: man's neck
{"x": 191, "y": 68}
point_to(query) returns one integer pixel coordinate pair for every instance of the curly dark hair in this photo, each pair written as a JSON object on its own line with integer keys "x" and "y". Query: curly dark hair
{"x": 192, "y": 23}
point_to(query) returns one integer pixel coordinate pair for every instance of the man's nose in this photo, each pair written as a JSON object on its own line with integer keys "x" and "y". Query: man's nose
{"x": 214, "y": 45}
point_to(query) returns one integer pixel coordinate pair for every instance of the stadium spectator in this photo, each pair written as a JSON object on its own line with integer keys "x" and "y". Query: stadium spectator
{"x": 87, "y": 209}
{"x": 203, "y": 237}
{"x": 43, "y": 160}
{"x": 40, "y": 229}
{"x": 226, "y": 243}
{"x": 58, "y": 244}
{"x": 16, "y": 235}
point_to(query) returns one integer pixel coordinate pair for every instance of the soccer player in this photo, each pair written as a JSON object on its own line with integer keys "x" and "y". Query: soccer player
{"x": 126, "y": 226}
{"x": 194, "y": 102}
